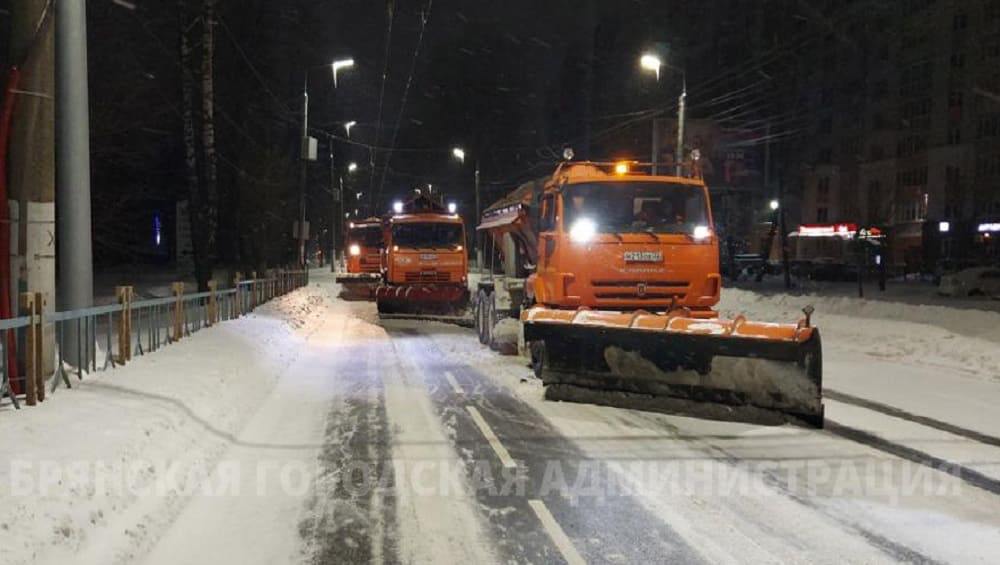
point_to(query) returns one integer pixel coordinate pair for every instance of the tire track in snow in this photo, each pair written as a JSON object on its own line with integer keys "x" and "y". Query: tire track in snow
{"x": 612, "y": 528}
{"x": 354, "y": 519}
{"x": 909, "y": 416}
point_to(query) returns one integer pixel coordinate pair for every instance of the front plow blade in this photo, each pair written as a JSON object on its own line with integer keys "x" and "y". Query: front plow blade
{"x": 707, "y": 368}
{"x": 358, "y": 286}
{"x": 415, "y": 300}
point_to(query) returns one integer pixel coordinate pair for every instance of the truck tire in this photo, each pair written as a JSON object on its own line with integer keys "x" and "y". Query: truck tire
{"x": 481, "y": 317}
{"x": 537, "y": 350}
{"x": 490, "y": 318}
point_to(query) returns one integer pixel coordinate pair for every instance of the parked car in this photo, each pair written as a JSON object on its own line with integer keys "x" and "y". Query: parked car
{"x": 978, "y": 281}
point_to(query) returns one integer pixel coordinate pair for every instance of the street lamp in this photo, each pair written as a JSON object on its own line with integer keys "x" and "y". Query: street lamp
{"x": 652, "y": 62}
{"x": 351, "y": 167}
{"x": 348, "y": 126}
{"x": 338, "y": 65}
{"x": 306, "y": 156}
{"x": 775, "y": 204}
{"x": 459, "y": 154}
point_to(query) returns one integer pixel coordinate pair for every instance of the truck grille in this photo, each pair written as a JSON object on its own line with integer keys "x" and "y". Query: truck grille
{"x": 428, "y": 277}
{"x": 370, "y": 264}
{"x": 630, "y": 290}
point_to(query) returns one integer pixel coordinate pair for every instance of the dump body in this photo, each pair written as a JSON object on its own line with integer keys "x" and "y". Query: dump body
{"x": 620, "y": 274}
{"x": 425, "y": 265}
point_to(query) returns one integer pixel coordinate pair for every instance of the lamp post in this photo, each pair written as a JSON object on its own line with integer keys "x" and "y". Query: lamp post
{"x": 307, "y": 154}
{"x": 459, "y": 154}
{"x": 653, "y": 63}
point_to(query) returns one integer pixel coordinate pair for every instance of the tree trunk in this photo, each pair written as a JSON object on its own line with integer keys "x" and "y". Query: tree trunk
{"x": 32, "y": 155}
{"x": 210, "y": 204}
{"x": 195, "y": 204}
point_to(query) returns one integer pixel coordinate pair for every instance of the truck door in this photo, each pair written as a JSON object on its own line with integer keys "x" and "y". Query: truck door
{"x": 546, "y": 248}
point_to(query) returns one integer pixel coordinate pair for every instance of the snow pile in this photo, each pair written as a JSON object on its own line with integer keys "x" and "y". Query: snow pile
{"x": 97, "y": 473}
{"x": 953, "y": 338}
{"x": 507, "y": 336}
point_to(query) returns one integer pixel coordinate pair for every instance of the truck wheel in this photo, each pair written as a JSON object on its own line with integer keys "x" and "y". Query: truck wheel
{"x": 480, "y": 317}
{"x": 490, "y": 318}
{"x": 537, "y": 350}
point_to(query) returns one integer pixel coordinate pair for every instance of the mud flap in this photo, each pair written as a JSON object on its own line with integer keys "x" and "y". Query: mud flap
{"x": 714, "y": 375}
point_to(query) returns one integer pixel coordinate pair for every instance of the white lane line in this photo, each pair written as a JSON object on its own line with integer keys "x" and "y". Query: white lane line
{"x": 491, "y": 437}
{"x": 556, "y": 533}
{"x": 453, "y": 382}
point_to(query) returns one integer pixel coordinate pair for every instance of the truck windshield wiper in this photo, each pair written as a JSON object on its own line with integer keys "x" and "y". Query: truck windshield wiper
{"x": 652, "y": 233}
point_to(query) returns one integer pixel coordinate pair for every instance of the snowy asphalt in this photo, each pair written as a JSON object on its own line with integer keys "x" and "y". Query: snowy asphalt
{"x": 510, "y": 453}
{"x": 423, "y": 446}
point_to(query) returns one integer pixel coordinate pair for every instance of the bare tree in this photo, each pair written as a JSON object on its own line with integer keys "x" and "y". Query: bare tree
{"x": 202, "y": 179}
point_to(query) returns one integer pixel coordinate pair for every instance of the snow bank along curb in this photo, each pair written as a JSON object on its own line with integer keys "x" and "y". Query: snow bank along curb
{"x": 955, "y": 338}
{"x": 90, "y": 466}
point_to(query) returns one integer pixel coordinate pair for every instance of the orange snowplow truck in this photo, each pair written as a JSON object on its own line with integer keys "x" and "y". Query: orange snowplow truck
{"x": 615, "y": 275}
{"x": 364, "y": 259}
{"x": 425, "y": 264}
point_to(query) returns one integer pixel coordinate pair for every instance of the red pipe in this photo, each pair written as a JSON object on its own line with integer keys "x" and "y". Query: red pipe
{"x": 6, "y": 115}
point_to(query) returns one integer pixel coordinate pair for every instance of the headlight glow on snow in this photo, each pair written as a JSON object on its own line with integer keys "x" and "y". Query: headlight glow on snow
{"x": 583, "y": 230}
{"x": 355, "y": 249}
{"x": 701, "y": 232}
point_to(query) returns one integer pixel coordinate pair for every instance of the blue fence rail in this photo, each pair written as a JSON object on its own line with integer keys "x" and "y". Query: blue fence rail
{"x": 105, "y": 337}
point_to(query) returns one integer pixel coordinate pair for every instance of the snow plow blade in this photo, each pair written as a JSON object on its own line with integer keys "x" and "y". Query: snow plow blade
{"x": 708, "y": 368}
{"x": 358, "y": 286}
{"x": 417, "y": 299}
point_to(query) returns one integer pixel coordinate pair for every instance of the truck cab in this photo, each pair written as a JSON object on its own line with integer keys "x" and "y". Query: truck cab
{"x": 424, "y": 264}
{"x": 621, "y": 240}
{"x": 364, "y": 246}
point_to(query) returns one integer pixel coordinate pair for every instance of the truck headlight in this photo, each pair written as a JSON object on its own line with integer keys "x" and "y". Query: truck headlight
{"x": 701, "y": 232}
{"x": 354, "y": 250}
{"x": 583, "y": 230}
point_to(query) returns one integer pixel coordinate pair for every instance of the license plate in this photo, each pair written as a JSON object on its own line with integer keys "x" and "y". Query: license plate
{"x": 643, "y": 256}
{"x": 428, "y": 257}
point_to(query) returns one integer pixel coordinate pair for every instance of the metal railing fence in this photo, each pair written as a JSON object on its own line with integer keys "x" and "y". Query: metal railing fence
{"x": 105, "y": 337}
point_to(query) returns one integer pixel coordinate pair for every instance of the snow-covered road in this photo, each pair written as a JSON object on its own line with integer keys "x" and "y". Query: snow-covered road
{"x": 312, "y": 433}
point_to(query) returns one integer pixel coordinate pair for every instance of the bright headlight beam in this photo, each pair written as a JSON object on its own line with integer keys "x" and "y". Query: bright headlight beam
{"x": 701, "y": 232}
{"x": 583, "y": 230}
{"x": 355, "y": 249}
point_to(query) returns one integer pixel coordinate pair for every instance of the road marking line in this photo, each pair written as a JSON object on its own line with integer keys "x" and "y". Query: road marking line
{"x": 556, "y": 533}
{"x": 453, "y": 382}
{"x": 491, "y": 437}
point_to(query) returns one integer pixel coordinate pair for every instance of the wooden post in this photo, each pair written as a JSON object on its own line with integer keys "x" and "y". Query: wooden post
{"x": 253, "y": 292}
{"x": 238, "y": 301}
{"x": 178, "y": 317}
{"x": 125, "y": 296}
{"x": 26, "y": 303}
{"x": 32, "y": 304}
{"x": 213, "y": 306}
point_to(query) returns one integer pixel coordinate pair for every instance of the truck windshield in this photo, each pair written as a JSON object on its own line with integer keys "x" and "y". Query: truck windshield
{"x": 426, "y": 235}
{"x": 630, "y": 207}
{"x": 366, "y": 236}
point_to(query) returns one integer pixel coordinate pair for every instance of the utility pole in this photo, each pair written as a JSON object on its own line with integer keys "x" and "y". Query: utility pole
{"x": 303, "y": 171}
{"x": 784, "y": 232}
{"x": 76, "y": 269}
{"x": 336, "y": 208}
{"x": 32, "y": 157}
{"x": 681, "y": 116}
{"x": 656, "y": 146}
